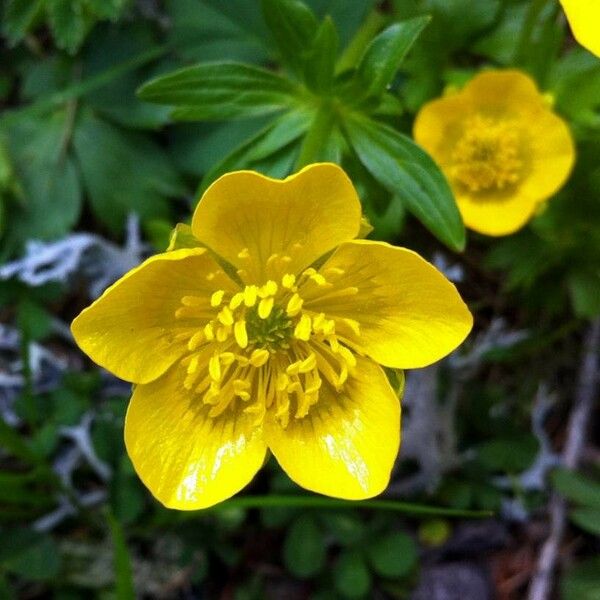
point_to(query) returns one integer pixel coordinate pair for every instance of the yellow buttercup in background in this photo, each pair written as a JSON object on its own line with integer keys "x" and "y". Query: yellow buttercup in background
{"x": 500, "y": 146}
{"x": 267, "y": 331}
{"x": 584, "y": 19}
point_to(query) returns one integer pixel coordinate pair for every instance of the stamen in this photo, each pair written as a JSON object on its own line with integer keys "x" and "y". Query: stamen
{"x": 217, "y": 298}
{"x": 240, "y": 333}
{"x": 288, "y": 281}
{"x": 264, "y": 307}
{"x": 244, "y": 253}
{"x": 294, "y": 305}
{"x": 225, "y": 316}
{"x": 250, "y": 293}
{"x": 303, "y": 328}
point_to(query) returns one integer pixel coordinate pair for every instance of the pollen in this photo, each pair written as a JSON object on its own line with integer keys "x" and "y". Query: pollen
{"x": 488, "y": 155}
{"x": 260, "y": 347}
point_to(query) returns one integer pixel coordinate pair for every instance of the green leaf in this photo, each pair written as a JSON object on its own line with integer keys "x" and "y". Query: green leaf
{"x": 410, "y": 174}
{"x": 19, "y": 16}
{"x": 321, "y": 57}
{"x": 34, "y": 321}
{"x": 293, "y": 27}
{"x": 385, "y": 53}
{"x": 393, "y": 555}
{"x": 348, "y": 527}
{"x": 107, "y": 9}
{"x": 304, "y": 548}
{"x": 214, "y": 30}
{"x": 584, "y": 288}
{"x": 273, "y": 138}
{"x": 47, "y": 175}
{"x": 576, "y": 487}
{"x": 510, "y": 455}
{"x": 123, "y": 172}
{"x": 32, "y": 556}
{"x": 220, "y": 91}
{"x": 587, "y": 518}
{"x": 11, "y": 441}
{"x": 68, "y": 23}
{"x": 582, "y": 582}
{"x": 123, "y": 574}
{"x": 351, "y": 576}
{"x": 106, "y": 49}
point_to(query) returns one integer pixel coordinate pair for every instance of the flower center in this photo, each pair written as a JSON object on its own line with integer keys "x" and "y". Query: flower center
{"x": 272, "y": 333}
{"x": 260, "y": 348}
{"x": 487, "y": 156}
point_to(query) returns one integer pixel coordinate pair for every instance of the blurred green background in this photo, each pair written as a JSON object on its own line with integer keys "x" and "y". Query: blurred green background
{"x": 94, "y": 174}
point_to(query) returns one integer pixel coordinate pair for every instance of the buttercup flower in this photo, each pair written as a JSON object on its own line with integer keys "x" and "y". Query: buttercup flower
{"x": 502, "y": 149}
{"x": 584, "y": 19}
{"x": 265, "y": 333}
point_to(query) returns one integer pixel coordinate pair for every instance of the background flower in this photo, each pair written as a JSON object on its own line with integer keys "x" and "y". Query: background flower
{"x": 501, "y": 147}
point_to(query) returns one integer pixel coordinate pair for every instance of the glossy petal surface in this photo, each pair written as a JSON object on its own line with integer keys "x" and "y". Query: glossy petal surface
{"x": 187, "y": 459}
{"x": 584, "y": 19}
{"x": 131, "y": 329}
{"x": 246, "y": 218}
{"x": 409, "y": 314}
{"x": 346, "y": 446}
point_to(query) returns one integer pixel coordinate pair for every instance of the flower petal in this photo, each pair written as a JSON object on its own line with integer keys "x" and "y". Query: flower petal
{"x": 347, "y": 444}
{"x": 584, "y": 17}
{"x": 131, "y": 329}
{"x": 501, "y": 214}
{"x": 553, "y": 153}
{"x": 409, "y": 314}
{"x": 187, "y": 459}
{"x": 246, "y": 218}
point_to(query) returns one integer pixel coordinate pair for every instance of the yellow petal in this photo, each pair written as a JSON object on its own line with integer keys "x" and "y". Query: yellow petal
{"x": 552, "y": 152}
{"x": 498, "y": 215}
{"x": 246, "y": 218}
{"x": 347, "y": 444}
{"x": 187, "y": 459}
{"x": 584, "y": 19}
{"x": 130, "y": 330}
{"x": 409, "y": 314}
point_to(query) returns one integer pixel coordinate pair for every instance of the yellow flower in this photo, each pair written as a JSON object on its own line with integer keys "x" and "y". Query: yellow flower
{"x": 267, "y": 335}
{"x": 502, "y": 149}
{"x": 584, "y": 19}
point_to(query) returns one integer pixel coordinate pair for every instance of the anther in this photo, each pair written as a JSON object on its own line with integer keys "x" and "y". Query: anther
{"x": 303, "y": 328}
{"x": 264, "y": 307}
{"x": 217, "y": 298}
{"x": 240, "y": 333}
{"x": 294, "y": 305}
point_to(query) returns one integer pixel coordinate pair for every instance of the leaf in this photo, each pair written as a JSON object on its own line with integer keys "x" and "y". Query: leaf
{"x": 321, "y": 57}
{"x": 582, "y": 582}
{"x": 410, "y": 174}
{"x": 220, "y": 91}
{"x": 30, "y": 555}
{"x": 393, "y": 555}
{"x": 107, "y": 9}
{"x": 576, "y": 487}
{"x": 106, "y": 49}
{"x": 52, "y": 195}
{"x": 584, "y": 288}
{"x": 351, "y": 577}
{"x": 214, "y": 30}
{"x": 68, "y": 23}
{"x": 123, "y": 172}
{"x": 385, "y": 53}
{"x": 273, "y": 138}
{"x": 587, "y": 519}
{"x": 10, "y": 440}
{"x": 123, "y": 574}
{"x": 293, "y": 26}
{"x": 19, "y": 16}
{"x": 304, "y": 548}
{"x": 510, "y": 455}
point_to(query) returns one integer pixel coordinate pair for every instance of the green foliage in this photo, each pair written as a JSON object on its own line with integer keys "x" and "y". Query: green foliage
{"x": 69, "y": 20}
{"x": 343, "y": 108}
{"x": 113, "y": 107}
